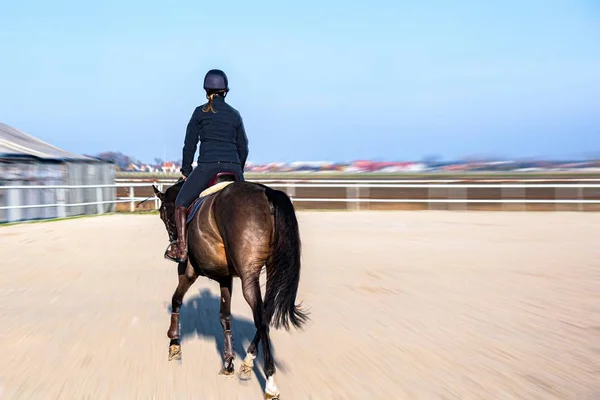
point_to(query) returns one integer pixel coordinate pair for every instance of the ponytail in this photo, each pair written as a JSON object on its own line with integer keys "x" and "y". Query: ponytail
{"x": 210, "y": 95}
{"x": 209, "y": 105}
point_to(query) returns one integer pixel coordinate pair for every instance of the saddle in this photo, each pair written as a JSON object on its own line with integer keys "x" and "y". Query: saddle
{"x": 218, "y": 183}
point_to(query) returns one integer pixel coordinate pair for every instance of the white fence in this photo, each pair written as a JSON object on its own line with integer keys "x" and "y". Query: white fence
{"x": 356, "y": 193}
{"x": 11, "y": 199}
{"x": 354, "y": 187}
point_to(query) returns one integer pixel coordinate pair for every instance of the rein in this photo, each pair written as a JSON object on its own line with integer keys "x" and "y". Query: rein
{"x": 143, "y": 201}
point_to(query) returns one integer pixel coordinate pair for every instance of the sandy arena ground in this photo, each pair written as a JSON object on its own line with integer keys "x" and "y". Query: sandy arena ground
{"x": 405, "y": 305}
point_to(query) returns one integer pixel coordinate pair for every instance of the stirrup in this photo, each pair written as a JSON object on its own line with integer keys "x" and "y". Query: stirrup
{"x": 174, "y": 259}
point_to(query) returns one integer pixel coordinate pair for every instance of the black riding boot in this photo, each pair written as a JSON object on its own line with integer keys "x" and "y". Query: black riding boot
{"x": 178, "y": 250}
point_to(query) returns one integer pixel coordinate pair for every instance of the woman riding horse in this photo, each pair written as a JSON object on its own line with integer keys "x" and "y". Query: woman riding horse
{"x": 223, "y": 148}
{"x": 239, "y": 231}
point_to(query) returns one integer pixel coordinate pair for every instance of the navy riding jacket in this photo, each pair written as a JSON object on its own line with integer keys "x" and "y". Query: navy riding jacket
{"x": 221, "y": 135}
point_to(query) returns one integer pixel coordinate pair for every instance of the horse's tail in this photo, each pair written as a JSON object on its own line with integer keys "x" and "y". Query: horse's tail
{"x": 283, "y": 266}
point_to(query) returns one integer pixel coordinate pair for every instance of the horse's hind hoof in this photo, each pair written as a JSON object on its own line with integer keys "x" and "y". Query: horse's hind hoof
{"x": 246, "y": 372}
{"x": 174, "y": 352}
{"x": 269, "y": 396}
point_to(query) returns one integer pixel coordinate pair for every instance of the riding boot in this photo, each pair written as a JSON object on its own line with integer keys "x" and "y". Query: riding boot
{"x": 180, "y": 220}
{"x": 177, "y": 250}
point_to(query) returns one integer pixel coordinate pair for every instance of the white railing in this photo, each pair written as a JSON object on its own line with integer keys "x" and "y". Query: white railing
{"x": 357, "y": 192}
{"x": 13, "y": 198}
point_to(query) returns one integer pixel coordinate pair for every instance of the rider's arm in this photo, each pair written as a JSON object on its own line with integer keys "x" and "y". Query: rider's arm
{"x": 242, "y": 143}
{"x": 190, "y": 144}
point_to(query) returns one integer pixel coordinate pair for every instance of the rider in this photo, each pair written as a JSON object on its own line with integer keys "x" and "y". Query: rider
{"x": 223, "y": 148}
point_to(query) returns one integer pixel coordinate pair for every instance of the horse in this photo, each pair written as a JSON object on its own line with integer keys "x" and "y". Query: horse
{"x": 235, "y": 228}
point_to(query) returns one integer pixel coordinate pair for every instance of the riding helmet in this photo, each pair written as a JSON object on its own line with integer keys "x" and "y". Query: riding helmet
{"x": 216, "y": 79}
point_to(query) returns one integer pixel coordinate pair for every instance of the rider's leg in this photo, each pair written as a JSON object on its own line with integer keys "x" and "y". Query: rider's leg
{"x": 180, "y": 221}
{"x": 191, "y": 189}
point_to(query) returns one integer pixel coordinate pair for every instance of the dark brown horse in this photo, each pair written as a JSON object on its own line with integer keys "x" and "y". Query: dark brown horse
{"x": 236, "y": 232}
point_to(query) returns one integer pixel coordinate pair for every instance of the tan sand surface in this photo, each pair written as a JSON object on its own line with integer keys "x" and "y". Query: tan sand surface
{"x": 404, "y": 305}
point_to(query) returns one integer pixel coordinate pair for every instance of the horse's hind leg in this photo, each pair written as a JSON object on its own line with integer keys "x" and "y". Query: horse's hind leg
{"x": 187, "y": 277}
{"x": 251, "y": 289}
{"x": 228, "y": 351}
{"x": 246, "y": 370}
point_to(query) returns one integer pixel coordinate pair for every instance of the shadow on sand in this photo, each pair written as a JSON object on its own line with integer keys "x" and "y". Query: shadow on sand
{"x": 200, "y": 317}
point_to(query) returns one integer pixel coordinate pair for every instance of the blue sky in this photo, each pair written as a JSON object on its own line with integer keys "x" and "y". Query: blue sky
{"x": 389, "y": 80}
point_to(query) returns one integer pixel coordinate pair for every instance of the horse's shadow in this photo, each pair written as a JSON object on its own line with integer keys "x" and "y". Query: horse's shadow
{"x": 200, "y": 316}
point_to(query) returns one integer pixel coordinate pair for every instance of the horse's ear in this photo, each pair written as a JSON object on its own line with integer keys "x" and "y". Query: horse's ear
{"x": 158, "y": 193}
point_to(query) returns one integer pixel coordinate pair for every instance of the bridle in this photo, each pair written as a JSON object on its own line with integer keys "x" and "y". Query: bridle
{"x": 171, "y": 226}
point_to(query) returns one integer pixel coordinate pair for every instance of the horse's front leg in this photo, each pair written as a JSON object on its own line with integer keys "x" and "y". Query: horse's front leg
{"x": 228, "y": 350}
{"x": 187, "y": 277}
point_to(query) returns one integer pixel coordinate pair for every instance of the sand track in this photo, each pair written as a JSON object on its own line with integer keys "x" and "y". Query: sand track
{"x": 405, "y": 305}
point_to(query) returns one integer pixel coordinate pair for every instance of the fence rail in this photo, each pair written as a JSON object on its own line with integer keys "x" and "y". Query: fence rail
{"x": 356, "y": 193}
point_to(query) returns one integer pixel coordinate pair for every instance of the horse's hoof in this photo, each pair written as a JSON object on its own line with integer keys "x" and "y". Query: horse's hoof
{"x": 227, "y": 372}
{"x": 269, "y": 396}
{"x": 246, "y": 372}
{"x": 174, "y": 352}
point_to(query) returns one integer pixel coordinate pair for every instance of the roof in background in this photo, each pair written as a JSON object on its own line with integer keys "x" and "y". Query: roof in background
{"x": 17, "y": 144}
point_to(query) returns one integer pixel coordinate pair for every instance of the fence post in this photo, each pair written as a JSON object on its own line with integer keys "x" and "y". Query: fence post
{"x": 99, "y": 200}
{"x": 464, "y": 196}
{"x": 352, "y": 193}
{"x": 580, "y": 198}
{"x": 429, "y": 198}
{"x": 156, "y": 206}
{"x": 513, "y": 194}
{"x": 131, "y": 199}
{"x": 434, "y": 194}
{"x": 61, "y": 209}
{"x": 366, "y": 192}
{"x": 564, "y": 194}
{"x": 458, "y": 193}
{"x": 291, "y": 190}
{"x": 13, "y": 199}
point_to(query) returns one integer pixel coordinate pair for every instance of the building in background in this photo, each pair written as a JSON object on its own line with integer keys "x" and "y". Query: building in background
{"x": 170, "y": 167}
{"x": 28, "y": 161}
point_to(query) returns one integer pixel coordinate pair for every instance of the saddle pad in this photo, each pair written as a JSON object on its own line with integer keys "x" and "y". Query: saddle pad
{"x": 205, "y": 193}
{"x": 215, "y": 188}
{"x": 194, "y": 208}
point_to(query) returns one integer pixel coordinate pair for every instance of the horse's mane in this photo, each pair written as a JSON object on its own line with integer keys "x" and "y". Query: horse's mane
{"x": 172, "y": 191}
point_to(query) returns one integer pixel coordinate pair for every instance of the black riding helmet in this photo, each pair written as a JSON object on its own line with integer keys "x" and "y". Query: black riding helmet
{"x": 216, "y": 80}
